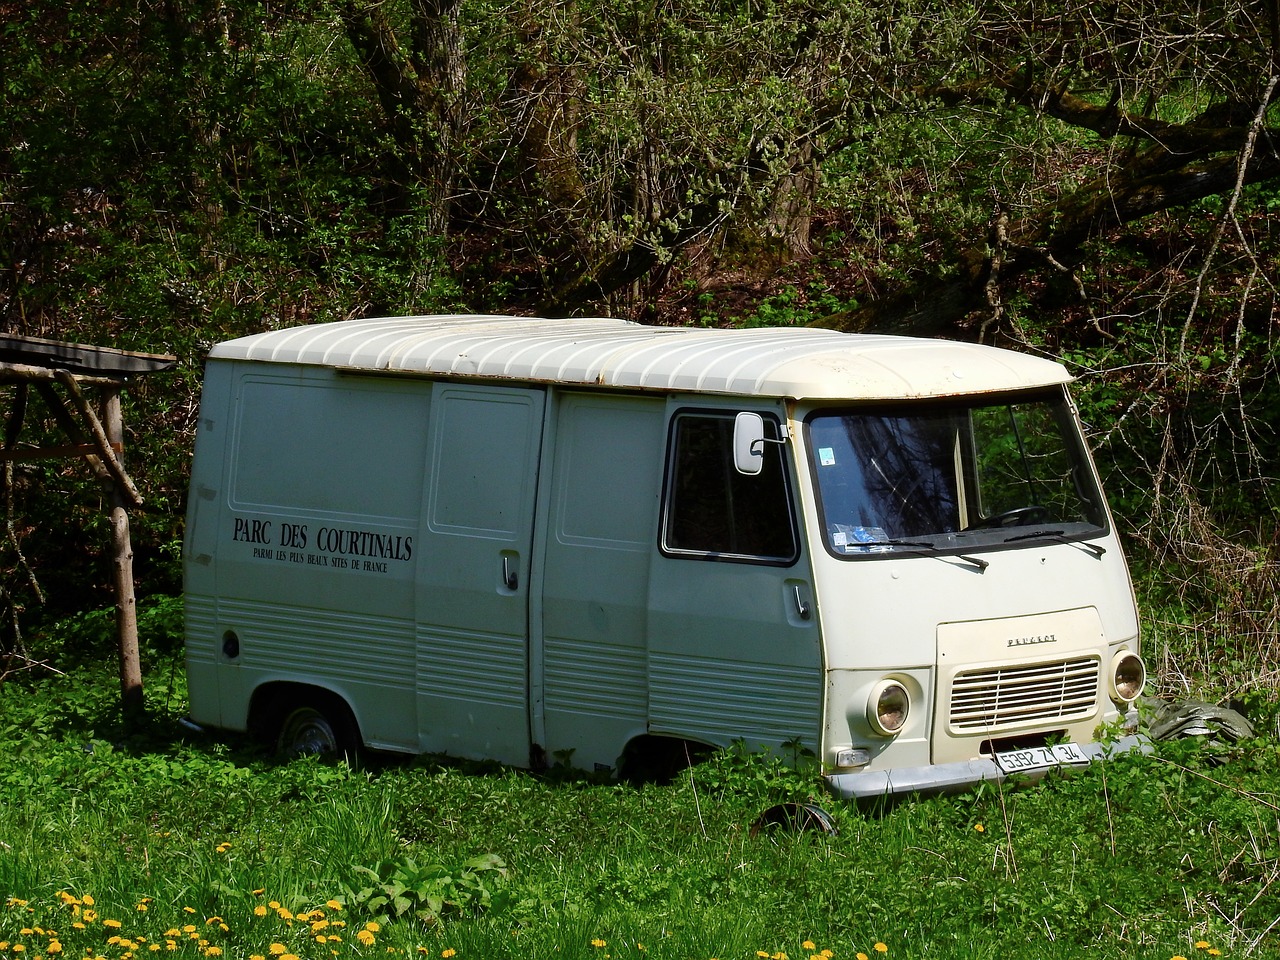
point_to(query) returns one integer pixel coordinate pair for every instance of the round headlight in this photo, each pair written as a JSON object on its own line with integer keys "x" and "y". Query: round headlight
{"x": 888, "y": 707}
{"x": 1128, "y": 676}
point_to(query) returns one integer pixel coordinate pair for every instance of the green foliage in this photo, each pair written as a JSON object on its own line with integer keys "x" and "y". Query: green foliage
{"x": 1141, "y": 857}
{"x": 401, "y": 889}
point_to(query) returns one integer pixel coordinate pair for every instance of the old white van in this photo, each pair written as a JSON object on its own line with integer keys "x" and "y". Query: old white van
{"x": 523, "y": 539}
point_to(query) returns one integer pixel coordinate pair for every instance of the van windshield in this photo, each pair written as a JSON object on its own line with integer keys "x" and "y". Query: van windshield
{"x": 956, "y": 474}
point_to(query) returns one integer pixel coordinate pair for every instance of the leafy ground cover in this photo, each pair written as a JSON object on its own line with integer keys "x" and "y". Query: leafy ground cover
{"x": 171, "y": 842}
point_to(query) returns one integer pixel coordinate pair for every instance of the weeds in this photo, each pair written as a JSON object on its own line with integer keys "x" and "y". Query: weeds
{"x": 1145, "y": 857}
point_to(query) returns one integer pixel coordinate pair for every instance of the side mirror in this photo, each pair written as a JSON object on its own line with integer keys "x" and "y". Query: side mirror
{"x": 748, "y": 443}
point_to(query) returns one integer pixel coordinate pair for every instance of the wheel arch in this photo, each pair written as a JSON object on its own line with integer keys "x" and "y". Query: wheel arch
{"x": 274, "y": 700}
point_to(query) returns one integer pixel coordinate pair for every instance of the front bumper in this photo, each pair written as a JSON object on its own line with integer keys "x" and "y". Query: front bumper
{"x": 952, "y": 777}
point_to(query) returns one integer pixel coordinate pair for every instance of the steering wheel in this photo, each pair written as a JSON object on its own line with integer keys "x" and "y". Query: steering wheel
{"x": 1032, "y": 513}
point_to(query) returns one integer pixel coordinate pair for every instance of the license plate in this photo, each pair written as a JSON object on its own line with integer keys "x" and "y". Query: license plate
{"x": 1040, "y": 758}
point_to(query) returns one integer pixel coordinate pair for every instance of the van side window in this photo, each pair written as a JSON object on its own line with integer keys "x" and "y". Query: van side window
{"x": 714, "y": 512}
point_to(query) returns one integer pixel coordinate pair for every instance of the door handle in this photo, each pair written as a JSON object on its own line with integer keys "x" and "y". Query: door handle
{"x": 803, "y": 607}
{"x": 510, "y": 576}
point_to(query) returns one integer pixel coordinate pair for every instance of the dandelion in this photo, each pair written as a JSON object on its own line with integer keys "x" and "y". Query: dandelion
{"x": 1177, "y": 956}
{"x": 365, "y": 937}
{"x": 289, "y": 956}
{"x": 333, "y": 904}
{"x": 598, "y": 943}
{"x": 188, "y": 909}
{"x": 1202, "y": 944}
{"x": 213, "y": 951}
{"x": 880, "y": 947}
{"x": 373, "y": 926}
{"x": 809, "y": 945}
{"x": 1214, "y": 952}
{"x": 259, "y": 911}
{"x": 189, "y": 928}
{"x": 54, "y": 947}
{"x": 277, "y": 949}
{"x": 113, "y": 924}
{"x": 256, "y": 956}
{"x": 980, "y": 828}
{"x": 448, "y": 952}
{"x": 863, "y": 956}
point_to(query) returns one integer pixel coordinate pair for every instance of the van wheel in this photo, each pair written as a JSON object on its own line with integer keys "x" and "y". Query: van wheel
{"x": 329, "y": 733}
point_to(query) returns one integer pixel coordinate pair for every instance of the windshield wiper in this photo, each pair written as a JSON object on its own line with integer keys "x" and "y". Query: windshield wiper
{"x": 929, "y": 548}
{"x": 1059, "y": 536}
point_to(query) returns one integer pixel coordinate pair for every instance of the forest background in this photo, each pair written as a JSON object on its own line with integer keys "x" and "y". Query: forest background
{"x": 1099, "y": 183}
{"x": 1095, "y": 182}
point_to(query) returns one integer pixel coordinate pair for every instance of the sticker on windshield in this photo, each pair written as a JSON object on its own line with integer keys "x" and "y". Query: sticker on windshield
{"x": 827, "y": 456}
{"x": 856, "y": 539}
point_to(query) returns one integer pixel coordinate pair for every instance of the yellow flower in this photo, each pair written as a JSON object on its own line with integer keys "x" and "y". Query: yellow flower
{"x": 826, "y": 954}
{"x": 260, "y": 891}
{"x": 980, "y": 828}
{"x": 880, "y": 947}
{"x": 189, "y": 928}
{"x": 259, "y": 911}
{"x": 113, "y": 924}
{"x": 277, "y": 949}
{"x": 1177, "y": 956}
{"x": 762, "y": 954}
{"x": 1214, "y": 952}
{"x": 373, "y": 926}
{"x": 284, "y": 913}
{"x": 18, "y": 948}
{"x": 86, "y": 900}
{"x": 333, "y": 905}
{"x": 89, "y": 915}
{"x": 809, "y": 945}
{"x": 54, "y": 947}
{"x": 188, "y": 909}
{"x": 863, "y": 956}
{"x": 289, "y": 956}
{"x": 598, "y": 943}
{"x": 318, "y": 925}
{"x": 256, "y": 956}
{"x": 1202, "y": 944}
{"x": 213, "y": 951}
{"x": 448, "y": 952}
{"x": 365, "y": 937}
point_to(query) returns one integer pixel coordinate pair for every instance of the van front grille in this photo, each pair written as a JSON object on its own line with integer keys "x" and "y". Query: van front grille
{"x": 1009, "y": 696}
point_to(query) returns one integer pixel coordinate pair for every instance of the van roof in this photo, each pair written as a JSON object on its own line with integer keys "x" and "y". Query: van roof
{"x": 777, "y": 362}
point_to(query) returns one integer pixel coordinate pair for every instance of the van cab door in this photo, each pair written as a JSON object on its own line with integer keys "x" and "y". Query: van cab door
{"x": 734, "y": 648}
{"x": 472, "y": 589}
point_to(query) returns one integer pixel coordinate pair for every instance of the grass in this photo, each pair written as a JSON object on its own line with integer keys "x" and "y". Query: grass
{"x": 168, "y": 842}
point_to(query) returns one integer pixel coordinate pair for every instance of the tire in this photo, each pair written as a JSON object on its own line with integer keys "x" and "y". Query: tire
{"x": 324, "y": 729}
